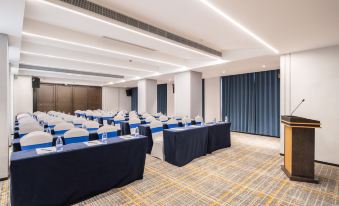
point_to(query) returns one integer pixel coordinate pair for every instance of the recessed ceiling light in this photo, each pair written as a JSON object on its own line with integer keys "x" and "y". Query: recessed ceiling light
{"x": 237, "y": 24}
{"x": 97, "y": 48}
{"x": 83, "y": 61}
{"x": 224, "y": 72}
{"x": 263, "y": 66}
{"x": 127, "y": 29}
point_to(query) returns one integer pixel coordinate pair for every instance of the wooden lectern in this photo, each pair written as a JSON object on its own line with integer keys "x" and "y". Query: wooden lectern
{"x": 299, "y": 148}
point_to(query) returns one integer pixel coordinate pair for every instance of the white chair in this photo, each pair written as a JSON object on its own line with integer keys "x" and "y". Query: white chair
{"x": 29, "y": 127}
{"x": 134, "y": 124}
{"x": 163, "y": 118}
{"x": 172, "y": 123}
{"x": 198, "y": 120}
{"x": 145, "y": 115}
{"x": 187, "y": 120}
{"x": 37, "y": 139}
{"x": 110, "y": 130}
{"x": 62, "y": 127}
{"x": 78, "y": 121}
{"x": 22, "y": 115}
{"x": 90, "y": 125}
{"x": 54, "y": 121}
{"x": 26, "y": 120}
{"x": 158, "y": 139}
{"x": 89, "y": 114}
{"x": 69, "y": 118}
{"x": 149, "y": 119}
{"x": 76, "y": 135}
{"x": 118, "y": 119}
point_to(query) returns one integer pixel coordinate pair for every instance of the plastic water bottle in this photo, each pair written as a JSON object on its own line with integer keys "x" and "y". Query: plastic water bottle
{"x": 186, "y": 125}
{"x": 104, "y": 138}
{"x": 202, "y": 123}
{"x": 136, "y": 134}
{"x": 214, "y": 120}
{"x": 59, "y": 144}
{"x": 226, "y": 118}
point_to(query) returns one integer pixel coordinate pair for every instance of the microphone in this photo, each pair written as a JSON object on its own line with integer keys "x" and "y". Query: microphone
{"x": 302, "y": 101}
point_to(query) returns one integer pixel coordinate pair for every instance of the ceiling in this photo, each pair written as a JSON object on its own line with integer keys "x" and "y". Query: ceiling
{"x": 250, "y": 35}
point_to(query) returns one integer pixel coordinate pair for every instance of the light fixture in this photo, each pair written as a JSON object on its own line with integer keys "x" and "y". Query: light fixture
{"x": 263, "y": 66}
{"x": 237, "y": 24}
{"x": 97, "y": 48}
{"x": 82, "y": 61}
{"x": 224, "y": 72}
{"x": 126, "y": 29}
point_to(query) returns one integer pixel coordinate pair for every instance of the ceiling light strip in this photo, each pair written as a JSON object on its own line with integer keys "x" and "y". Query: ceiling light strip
{"x": 237, "y": 24}
{"x": 97, "y": 48}
{"x": 83, "y": 61}
{"x": 127, "y": 29}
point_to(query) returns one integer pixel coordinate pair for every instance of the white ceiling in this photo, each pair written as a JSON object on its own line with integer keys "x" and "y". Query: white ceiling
{"x": 58, "y": 35}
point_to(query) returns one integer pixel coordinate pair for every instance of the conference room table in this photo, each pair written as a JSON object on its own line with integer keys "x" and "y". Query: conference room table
{"x": 93, "y": 135}
{"x": 76, "y": 173}
{"x": 184, "y": 144}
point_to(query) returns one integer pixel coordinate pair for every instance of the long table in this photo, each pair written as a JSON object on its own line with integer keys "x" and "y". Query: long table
{"x": 76, "y": 173}
{"x": 182, "y": 145}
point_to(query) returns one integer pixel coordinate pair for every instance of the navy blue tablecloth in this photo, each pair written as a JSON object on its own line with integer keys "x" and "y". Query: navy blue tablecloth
{"x": 77, "y": 173}
{"x": 93, "y": 135}
{"x": 182, "y": 146}
{"x": 219, "y": 136}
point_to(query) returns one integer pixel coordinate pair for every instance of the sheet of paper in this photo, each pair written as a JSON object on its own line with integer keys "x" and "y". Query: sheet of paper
{"x": 45, "y": 150}
{"x": 127, "y": 137}
{"x": 179, "y": 128}
{"x": 105, "y": 122}
{"x": 92, "y": 143}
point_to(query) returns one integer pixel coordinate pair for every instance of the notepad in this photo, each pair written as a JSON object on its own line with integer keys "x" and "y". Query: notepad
{"x": 92, "y": 143}
{"x": 45, "y": 150}
{"x": 179, "y": 128}
{"x": 127, "y": 137}
{"x": 195, "y": 126}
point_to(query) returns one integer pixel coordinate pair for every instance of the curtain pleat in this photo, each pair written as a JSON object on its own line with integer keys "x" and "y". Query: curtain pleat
{"x": 134, "y": 99}
{"x": 251, "y": 102}
{"x": 162, "y": 98}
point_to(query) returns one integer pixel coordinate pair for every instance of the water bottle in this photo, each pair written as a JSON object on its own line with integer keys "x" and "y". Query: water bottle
{"x": 59, "y": 144}
{"x": 226, "y": 118}
{"x": 104, "y": 138}
{"x": 136, "y": 134}
{"x": 214, "y": 120}
{"x": 186, "y": 124}
{"x": 202, "y": 123}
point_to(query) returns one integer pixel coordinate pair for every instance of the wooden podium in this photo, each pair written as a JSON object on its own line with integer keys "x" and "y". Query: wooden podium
{"x": 299, "y": 148}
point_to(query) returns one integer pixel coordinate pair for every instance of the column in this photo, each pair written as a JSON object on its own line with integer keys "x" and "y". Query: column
{"x": 4, "y": 106}
{"x": 147, "y": 96}
{"x": 188, "y": 94}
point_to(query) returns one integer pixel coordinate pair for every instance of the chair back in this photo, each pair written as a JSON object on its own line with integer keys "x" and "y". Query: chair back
{"x": 26, "y": 120}
{"x": 198, "y": 120}
{"x": 90, "y": 125}
{"x": 149, "y": 119}
{"x": 76, "y": 135}
{"x": 22, "y": 115}
{"x": 163, "y": 118}
{"x": 37, "y": 139}
{"x": 109, "y": 129}
{"x": 156, "y": 129}
{"x": 172, "y": 123}
{"x": 54, "y": 121}
{"x": 134, "y": 124}
{"x": 62, "y": 127}
{"x": 78, "y": 121}
{"x": 188, "y": 121}
{"x": 118, "y": 119}
{"x": 29, "y": 127}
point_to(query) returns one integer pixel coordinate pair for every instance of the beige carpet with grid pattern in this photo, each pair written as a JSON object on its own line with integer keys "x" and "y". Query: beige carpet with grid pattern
{"x": 248, "y": 173}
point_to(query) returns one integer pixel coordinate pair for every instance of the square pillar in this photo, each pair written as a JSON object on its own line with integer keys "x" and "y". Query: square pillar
{"x": 188, "y": 94}
{"x": 147, "y": 96}
{"x": 4, "y": 106}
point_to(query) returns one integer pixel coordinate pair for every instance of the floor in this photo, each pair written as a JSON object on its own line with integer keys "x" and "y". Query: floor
{"x": 248, "y": 173}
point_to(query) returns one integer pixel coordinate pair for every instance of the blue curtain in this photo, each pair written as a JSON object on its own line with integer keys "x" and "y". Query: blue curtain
{"x": 134, "y": 99}
{"x": 251, "y": 102}
{"x": 162, "y": 98}
{"x": 267, "y": 103}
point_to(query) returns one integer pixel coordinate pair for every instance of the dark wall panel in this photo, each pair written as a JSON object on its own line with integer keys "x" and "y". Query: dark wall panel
{"x": 64, "y": 99}
{"x": 79, "y": 98}
{"x": 45, "y": 97}
{"x": 162, "y": 98}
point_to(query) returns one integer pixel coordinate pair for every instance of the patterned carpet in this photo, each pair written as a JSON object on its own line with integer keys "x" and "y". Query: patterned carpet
{"x": 248, "y": 173}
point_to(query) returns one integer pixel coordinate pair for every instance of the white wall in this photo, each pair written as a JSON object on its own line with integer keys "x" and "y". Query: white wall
{"x": 212, "y": 99}
{"x": 314, "y": 75}
{"x": 188, "y": 94}
{"x": 114, "y": 98}
{"x": 147, "y": 96}
{"x": 22, "y": 94}
{"x": 170, "y": 100}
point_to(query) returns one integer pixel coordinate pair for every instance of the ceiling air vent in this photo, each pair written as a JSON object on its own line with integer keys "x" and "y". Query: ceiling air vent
{"x": 89, "y": 6}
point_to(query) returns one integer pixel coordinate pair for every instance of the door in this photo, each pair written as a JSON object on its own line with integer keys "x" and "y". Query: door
{"x": 45, "y": 98}
{"x": 64, "y": 100}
